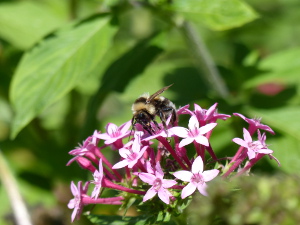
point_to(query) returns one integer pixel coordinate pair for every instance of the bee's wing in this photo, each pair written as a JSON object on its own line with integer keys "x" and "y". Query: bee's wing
{"x": 157, "y": 93}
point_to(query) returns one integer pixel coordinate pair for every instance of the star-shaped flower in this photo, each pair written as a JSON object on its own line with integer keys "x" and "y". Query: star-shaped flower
{"x": 114, "y": 133}
{"x": 253, "y": 147}
{"x": 210, "y": 115}
{"x": 255, "y": 124}
{"x": 98, "y": 177}
{"x": 194, "y": 133}
{"x": 197, "y": 178}
{"x": 159, "y": 185}
{"x": 76, "y": 203}
{"x": 89, "y": 145}
{"x": 131, "y": 152}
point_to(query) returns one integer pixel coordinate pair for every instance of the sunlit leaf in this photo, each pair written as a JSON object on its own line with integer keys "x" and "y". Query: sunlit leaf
{"x": 23, "y": 23}
{"x": 216, "y": 14}
{"x": 55, "y": 66}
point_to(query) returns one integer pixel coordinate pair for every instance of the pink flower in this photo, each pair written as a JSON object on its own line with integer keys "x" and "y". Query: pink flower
{"x": 76, "y": 203}
{"x": 89, "y": 145}
{"x": 253, "y": 147}
{"x": 114, "y": 133}
{"x": 98, "y": 177}
{"x": 255, "y": 124}
{"x": 197, "y": 178}
{"x": 131, "y": 152}
{"x": 210, "y": 115}
{"x": 194, "y": 133}
{"x": 159, "y": 185}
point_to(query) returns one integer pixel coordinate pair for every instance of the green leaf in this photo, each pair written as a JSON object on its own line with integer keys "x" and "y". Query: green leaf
{"x": 55, "y": 66}
{"x": 117, "y": 220}
{"x": 216, "y": 14}
{"x": 281, "y": 67}
{"x": 23, "y": 23}
{"x": 286, "y": 150}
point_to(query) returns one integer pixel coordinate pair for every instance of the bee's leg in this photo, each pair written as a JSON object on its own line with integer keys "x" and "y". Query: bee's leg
{"x": 156, "y": 124}
{"x": 148, "y": 128}
{"x": 163, "y": 119}
{"x": 174, "y": 116}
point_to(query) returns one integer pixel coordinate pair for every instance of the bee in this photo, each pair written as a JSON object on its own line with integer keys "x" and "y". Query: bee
{"x": 146, "y": 107}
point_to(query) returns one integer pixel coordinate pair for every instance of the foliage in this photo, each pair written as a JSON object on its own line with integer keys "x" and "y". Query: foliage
{"x": 67, "y": 67}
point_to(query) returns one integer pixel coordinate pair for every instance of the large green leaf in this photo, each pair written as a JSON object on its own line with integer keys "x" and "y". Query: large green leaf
{"x": 216, "y": 14}
{"x": 51, "y": 69}
{"x": 23, "y": 23}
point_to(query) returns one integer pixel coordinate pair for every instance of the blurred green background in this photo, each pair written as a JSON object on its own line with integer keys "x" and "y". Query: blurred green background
{"x": 68, "y": 67}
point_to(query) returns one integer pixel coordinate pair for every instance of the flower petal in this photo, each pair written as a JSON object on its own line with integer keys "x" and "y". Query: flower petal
{"x": 193, "y": 123}
{"x": 247, "y": 136}
{"x": 185, "y": 142}
{"x": 197, "y": 166}
{"x": 71, "y": 204}
{"x": 202, "y": 140}
{"x": 159, "y": 173}
{"x": 124, "y": 152}
{"x": 74, "y": 214}
{"x": 240, "y": 142}
{"x": 166, "y": 183}
{"x": 103, "y": 136}
{"x": 147, "y": 177}
{"x": 202, "y": 189}
{"x": 164, "y": 195}
{"x": 74, "y": 189}
{"x": 206, "y": 128}
{"x": 179, "y": 131}
{"x": 188, "y": 190}
{"x": 251, "y": 154}
{"x": 121, "y": 164}
{"x": 210, "y": 112}
{"x": 111, "y": 128}
{"x": 210, "y": 174}
{"x": 149, "y": 194}
{"x": 125, "y": 127}
{"x": 183, "y": 175}
{"x": 265, "y": 151}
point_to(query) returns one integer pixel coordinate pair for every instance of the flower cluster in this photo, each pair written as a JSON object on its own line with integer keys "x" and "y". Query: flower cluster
{"x": 170, "y": 164}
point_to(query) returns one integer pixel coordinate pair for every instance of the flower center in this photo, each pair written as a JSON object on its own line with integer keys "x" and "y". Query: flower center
{"x": 197, "y": 178}
{"x": 157, "y": 184}
{"x": 194, "y": 132}
{"x": 132, "y": 156}
{"x": 255, "y": 146}
{"x": 77, "y": 200}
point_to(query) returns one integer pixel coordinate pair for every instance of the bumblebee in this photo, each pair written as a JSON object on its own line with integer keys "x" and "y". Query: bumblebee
{"x": 146, "y": 107}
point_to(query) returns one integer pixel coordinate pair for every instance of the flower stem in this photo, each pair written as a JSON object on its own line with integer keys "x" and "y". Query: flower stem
{"x": 204, "y": 60}
{"x": 106, "y": 201}
{"x": 107, "y": 183}
{"x": 235, "y": 165}
{"x": 105, "y": 160}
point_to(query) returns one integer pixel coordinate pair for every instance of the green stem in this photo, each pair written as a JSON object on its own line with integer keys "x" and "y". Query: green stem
{"x": 204, "y": 61}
